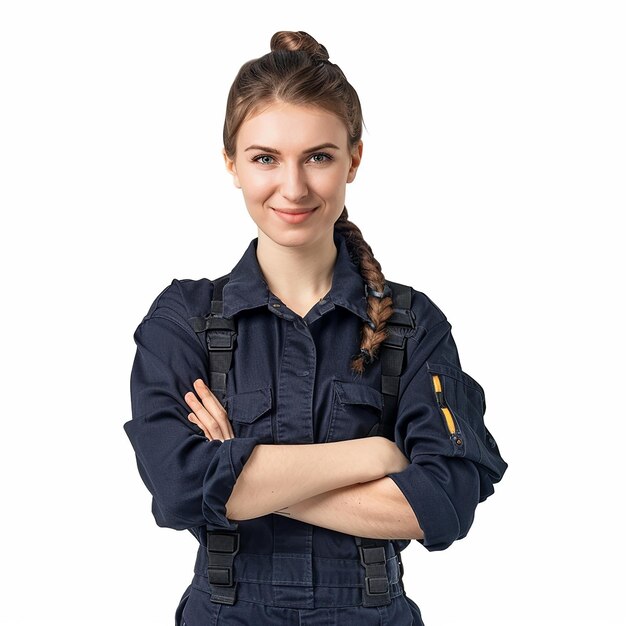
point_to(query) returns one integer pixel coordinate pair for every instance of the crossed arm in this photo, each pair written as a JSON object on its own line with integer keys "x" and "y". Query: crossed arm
{"x": 376, "y": 509}
{"x": 340, "y": 485}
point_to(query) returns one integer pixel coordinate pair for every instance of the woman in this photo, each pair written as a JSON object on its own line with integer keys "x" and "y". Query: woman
{"x": 301, "y": 509}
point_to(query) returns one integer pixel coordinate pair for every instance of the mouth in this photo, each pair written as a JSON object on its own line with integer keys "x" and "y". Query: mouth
{"x": 294, "y": 216}
{"x": 294, "y": 211}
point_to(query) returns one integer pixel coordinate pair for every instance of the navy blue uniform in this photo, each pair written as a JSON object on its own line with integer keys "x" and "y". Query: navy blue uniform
{"x": 291, "y": 383}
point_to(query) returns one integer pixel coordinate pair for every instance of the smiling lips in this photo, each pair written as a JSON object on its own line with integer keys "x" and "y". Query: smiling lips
{"x": 294, "y": 216}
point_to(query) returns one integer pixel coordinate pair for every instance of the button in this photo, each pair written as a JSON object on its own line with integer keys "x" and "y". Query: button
{"x": 276, "y": 306}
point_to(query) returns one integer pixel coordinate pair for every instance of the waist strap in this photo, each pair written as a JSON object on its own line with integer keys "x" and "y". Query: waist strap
{"x": 294, "y": 569}
{"x": 296, "y": 581}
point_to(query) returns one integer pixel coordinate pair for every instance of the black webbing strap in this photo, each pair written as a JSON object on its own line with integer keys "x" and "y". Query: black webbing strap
{"x": 392, "y": 355}
{"x": 221, "y": 335}
{"x": 376, "y": 587}
{"x": 222, "y": 546}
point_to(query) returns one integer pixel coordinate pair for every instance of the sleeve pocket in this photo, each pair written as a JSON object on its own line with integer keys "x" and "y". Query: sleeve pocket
{"x": 250, "y": 413}
{"x": 461, "y": 403}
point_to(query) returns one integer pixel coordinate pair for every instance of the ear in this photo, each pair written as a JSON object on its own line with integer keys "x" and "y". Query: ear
{"x": 231, "y": 168}
{"x": 356, "y": 155}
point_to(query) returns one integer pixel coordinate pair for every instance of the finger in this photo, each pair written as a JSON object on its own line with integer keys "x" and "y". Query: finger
{"x": 192, "y": 418}
{"x": 203, "y": 416}
{"x": 214, "y": 407}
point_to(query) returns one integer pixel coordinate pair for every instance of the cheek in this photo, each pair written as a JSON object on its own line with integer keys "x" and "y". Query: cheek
{"x": 332, "y": 186}
{"x": 255, "y": 186}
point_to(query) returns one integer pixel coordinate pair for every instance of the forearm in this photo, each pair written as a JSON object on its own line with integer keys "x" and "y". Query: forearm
{"x": 375, "y": 509}
{"x": 277, "y": 476}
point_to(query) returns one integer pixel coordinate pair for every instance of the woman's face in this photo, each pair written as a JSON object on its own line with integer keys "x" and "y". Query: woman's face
{"x": 292, "y": 164}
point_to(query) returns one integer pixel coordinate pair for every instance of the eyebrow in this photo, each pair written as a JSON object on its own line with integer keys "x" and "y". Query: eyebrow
{"x": 274, "y": 151}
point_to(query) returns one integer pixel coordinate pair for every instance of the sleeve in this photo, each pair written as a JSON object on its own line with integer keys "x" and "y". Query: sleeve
{"x": 189, "y": 476}
{"x": 454, "y": 460}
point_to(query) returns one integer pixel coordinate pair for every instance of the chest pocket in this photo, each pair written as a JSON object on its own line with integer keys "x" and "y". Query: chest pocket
{"x": 250, "y": 413}
{"x": 356, "y": 411}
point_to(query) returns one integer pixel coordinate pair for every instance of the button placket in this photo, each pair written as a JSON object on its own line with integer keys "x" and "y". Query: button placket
{"x": 294, "y": 424}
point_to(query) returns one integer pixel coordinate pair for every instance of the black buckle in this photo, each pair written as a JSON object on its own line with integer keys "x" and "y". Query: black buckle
{"x": 402, "y": 317}
{"x": 376, "y": 585}
{"x": 221, "y": 340}
{"x": 370, "y": 556}
{"x": 221, "y": 550}
{"x": 376, "y": 588}
{"x": 220, "y": 576}
{"x": 223, "y": 542}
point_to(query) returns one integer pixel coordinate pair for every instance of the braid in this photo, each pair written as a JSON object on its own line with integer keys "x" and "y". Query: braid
{"x": 379, "y": 310}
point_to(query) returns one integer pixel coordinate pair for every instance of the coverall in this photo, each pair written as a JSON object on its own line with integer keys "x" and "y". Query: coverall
{"x": 291, "y": 383}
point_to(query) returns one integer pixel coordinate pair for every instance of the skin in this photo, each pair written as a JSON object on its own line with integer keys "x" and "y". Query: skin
{"x": 297, "y": 260}
{"x": 280, "y": 164}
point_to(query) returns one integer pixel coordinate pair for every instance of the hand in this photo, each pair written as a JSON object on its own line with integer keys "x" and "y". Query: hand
{"x": 392, "y": 457}
{"x": 210, "y": 415}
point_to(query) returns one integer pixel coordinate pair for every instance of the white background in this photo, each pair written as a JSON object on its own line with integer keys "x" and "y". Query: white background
{"x": 492, "y": 180}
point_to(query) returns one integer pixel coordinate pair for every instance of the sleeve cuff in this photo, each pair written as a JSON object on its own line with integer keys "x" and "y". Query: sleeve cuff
{"x": 221, "y": 476}
{"x": 432, "y": 507}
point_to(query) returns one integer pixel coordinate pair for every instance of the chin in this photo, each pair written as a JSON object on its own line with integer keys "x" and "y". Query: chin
{"x": 290, "y": 239}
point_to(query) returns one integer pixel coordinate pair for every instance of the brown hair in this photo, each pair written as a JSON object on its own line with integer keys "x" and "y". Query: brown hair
{"x": 298, "y": 71}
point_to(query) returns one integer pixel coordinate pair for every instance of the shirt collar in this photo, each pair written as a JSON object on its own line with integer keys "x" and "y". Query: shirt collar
{"x": 247, "y": 289}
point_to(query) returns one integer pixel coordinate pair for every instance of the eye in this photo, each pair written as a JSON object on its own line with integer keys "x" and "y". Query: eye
{"x": 264, "y": 159}
{"x": 321, "y": 157}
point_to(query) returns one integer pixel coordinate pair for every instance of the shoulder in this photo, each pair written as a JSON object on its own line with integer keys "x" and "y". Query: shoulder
{"x": 431, "y": 331}
{"x": 426, "y": 313}
{"x": 182, "y": 299}
{"x": 166, "y": 335}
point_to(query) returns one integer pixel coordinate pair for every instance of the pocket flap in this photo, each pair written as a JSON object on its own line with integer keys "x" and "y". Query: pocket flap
{"x": 355, "y": 393}
{"x": 248, "y": 406}
{"x": 455, "y": 372}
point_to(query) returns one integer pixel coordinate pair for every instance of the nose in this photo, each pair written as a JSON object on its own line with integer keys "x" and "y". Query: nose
{"x": 293, "y": 184}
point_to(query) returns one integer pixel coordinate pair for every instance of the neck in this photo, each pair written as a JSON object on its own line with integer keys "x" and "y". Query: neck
{"x": 297, "y": 275}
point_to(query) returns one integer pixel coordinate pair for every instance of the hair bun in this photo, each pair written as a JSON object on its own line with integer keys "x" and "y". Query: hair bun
{"x": 298, "y": 41}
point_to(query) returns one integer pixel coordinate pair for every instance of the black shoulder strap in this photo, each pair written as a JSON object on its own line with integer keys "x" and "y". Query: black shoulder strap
{"x": 392, "y": 354}
{"x": 221, "y": 335}
{"x": 376, "y": 587}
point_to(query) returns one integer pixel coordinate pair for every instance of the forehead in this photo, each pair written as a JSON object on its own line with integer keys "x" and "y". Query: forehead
{"x": 291, "y": 127}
